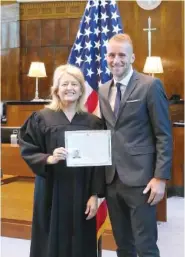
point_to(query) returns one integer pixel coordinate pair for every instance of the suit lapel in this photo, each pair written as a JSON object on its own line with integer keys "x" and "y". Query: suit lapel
{"x": 109, "y": 114}
{"x": 130, "y": 87}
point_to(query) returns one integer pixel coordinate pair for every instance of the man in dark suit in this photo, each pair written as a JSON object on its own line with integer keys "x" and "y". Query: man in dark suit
{"x": 134, "y": 107}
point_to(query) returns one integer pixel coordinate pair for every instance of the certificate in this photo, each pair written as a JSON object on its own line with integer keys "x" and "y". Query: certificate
{"x": 88, "y": 148}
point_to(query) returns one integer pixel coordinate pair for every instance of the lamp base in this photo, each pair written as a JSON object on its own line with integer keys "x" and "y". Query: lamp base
{"x": 37, "y": 100}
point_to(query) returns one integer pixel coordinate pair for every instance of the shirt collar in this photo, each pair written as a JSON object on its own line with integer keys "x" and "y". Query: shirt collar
{"x": 126, "y": 79}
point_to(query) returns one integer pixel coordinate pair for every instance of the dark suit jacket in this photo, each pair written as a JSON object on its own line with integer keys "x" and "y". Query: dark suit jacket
{"x": 141, "y": 135}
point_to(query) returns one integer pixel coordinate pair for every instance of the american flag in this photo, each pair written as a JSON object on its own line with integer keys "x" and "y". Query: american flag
{"x": 101, "y": 20}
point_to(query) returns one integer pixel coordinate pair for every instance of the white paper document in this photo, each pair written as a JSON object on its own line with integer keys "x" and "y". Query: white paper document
{"x": 88, "y": 148}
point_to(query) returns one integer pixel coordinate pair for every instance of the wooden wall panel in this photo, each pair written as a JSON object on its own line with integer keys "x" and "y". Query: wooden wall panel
{"x": 73, "y": 25}
{"x": 47, "y": 32}
{"x": 28, "y": 55}
{"x": 62, "y": 32}
{"x": 47, "y": 55}
{"x": 10, "y": 63}
{"x": 45, "y": 85}
{"x": 27, "y": 87}
{"x": 167, "y": 40}
{"x": 48, "y": 41}
{"x": 61, "y": 55}
{"x": 10, "y": 52}
{"x": 33, "y": 34}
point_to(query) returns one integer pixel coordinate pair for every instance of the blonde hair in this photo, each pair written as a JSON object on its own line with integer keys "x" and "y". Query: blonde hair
{"x": 121, "y": 38}
{"x": 56, "y": 103}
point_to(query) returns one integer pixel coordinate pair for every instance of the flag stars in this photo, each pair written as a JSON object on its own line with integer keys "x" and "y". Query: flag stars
{"x": 116, "y": 29}
{"x": 87, "y": 19}
{"x": 97, "y": 31}
{"x": 96, "y": 3}
{"x": 88, "y": 59}
{"x": 103, "y": 3}
{"x": 105, "y": 30}
{"x": 105, "y": 57}
{"x": 105, "y": 43}
{"x": 78, "y": 47}
{"x": 96, "y": 18}
{"x": 104, "y": 16}
{"x": 88, "y": 45}
{"x": 107, "y": 71}
{"x": 99, "y": 71}
{"x": 88, "y": 6}
{"x": 98, "y": 58}
{"x": 113, "y": 2}
{"x": 114, "y": 16}
{"x": 100, "y": 22}
{"x": 87, "y": 32}
{"x": 97, "y": 44}
{"x": 79, "y": 34}
{"x": 89, "y": 72}
{"x": 79, "y": 60}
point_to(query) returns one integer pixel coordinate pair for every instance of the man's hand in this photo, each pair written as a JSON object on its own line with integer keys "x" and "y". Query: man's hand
{"x": 92, "y": 207}
{"x": 157, "y": 187}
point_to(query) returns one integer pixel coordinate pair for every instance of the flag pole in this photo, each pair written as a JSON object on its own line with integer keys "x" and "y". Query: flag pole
{"x": 100, "y": 246}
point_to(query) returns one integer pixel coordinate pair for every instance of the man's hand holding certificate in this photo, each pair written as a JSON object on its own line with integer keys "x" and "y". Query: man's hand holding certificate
{"x": 88, "y": 148}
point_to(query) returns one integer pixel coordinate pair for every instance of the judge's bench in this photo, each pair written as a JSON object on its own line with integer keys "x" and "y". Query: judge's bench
{"x": 17, "y": 179}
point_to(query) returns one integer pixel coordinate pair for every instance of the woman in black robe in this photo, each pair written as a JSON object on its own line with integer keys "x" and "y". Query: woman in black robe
{"x": 65, "y": 198}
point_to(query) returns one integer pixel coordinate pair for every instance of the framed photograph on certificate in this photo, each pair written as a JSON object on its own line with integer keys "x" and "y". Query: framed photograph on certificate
{"x": 88, "y": 148}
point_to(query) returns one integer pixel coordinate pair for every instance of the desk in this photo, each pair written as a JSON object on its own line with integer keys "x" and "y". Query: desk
{"x": 12, "y": 162}
{"x": 15, "y": 113}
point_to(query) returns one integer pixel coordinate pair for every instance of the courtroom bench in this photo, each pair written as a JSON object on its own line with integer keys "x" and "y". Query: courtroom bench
{"x": 15, "y": 113}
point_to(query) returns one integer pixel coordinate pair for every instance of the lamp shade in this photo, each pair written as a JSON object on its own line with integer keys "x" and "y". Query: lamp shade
{"x": 153, "y": 65}
{"x": 37, "y": 70}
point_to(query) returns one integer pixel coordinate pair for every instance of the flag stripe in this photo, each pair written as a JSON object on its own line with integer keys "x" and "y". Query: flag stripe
{"x": 101, "y": 218}
{"x": 92, "y": 101}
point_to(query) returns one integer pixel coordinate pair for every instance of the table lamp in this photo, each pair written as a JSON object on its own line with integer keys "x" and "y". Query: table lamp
{"x": 153, "y": 64}
{"x": 37, "y": 70}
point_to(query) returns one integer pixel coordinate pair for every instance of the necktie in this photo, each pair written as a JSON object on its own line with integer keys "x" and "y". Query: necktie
{"x": 118, "y": 99}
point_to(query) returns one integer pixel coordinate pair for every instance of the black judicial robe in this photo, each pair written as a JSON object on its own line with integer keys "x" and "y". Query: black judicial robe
{"x": 59, "y": 227}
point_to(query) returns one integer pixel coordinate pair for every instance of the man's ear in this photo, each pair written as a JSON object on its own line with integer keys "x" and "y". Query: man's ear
{"x": 133, "y": 58}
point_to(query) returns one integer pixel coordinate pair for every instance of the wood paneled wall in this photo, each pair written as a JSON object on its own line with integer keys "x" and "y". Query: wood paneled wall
{"x": 48, "y": 41}
{"x": 10, "y": 52}
{"x": 167, "y": 40}
{"x": 48, "y": 30}
{"x": 47, "y": 33}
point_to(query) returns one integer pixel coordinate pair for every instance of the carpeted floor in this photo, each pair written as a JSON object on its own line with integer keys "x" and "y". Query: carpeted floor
{"x": 171, "y": 235}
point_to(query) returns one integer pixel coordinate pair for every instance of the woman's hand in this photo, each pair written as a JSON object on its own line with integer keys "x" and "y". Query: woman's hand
{"x": 92, "y": 207}
{"x": 58, "y": 155}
